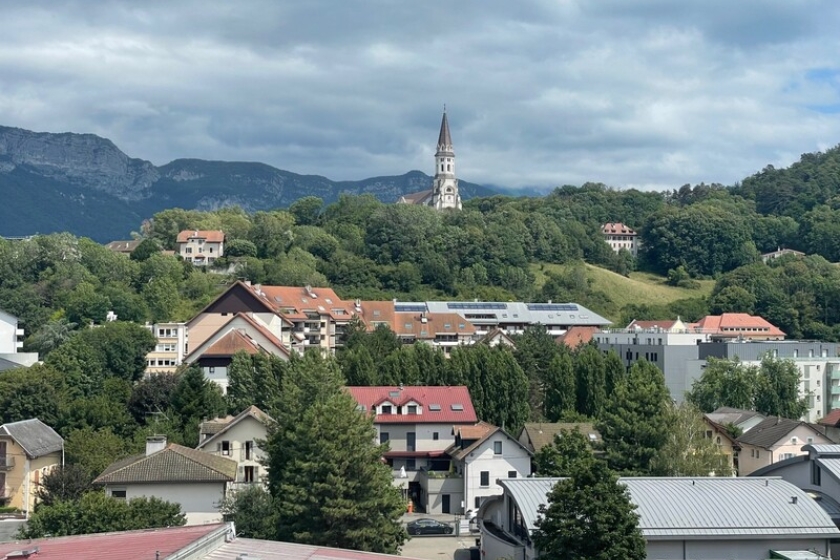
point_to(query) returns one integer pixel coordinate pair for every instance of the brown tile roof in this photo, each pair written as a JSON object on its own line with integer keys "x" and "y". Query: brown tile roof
{"x": 235, "y": 339}
{"x": 475, "y": 432}
{"x": 617, "y": 228}
{"x": 480, "y": 432}
{"x": 541, "y": 434}
{"x": 576, "y": 336}
{"x": 215, "y": 236}
{"x": 230, "y": 344}
{"x": 124, "y": 246}
{"x": 832, "y": 418}
{"x": 175, "y": 463}
{"x": 413, "y": 325}
{"x": 294, "y": 301}
{"x": 215, "y": 425}
{"x": 220, "y": 426}
{"x": 375, "y": 312}
{"x": 416, "y": 198}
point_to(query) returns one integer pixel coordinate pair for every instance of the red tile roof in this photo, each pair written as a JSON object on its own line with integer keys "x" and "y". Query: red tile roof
{"x": 448, "y": 400}
{"x": 617, "y": 228}
{"x": 294, "y": 301}
{"x": 735, "y": 323}
{"x": 126, "y": 545}
{"x": 831, "y": 419}
{"x": 211, "y": 236}
{"x": 576, "y": 336}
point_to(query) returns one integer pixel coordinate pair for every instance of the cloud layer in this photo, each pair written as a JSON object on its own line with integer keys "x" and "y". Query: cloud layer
{"x": 642, "y": 93}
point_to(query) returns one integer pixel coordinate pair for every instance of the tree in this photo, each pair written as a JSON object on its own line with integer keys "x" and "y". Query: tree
{"x": 144, "y": 250}
{"x": 589, "y": 516}
{"x": 93, "y": 450}
{"x": 590, "y": 380}
{"x": 325, "y": 473}
{"x": 636, "y": 422}
{"x": 777, "y": 389}
{"x": 51, "y": 336}
{"x": 688, "y": 451}
{"x": 64, "y": 483}
{"x": 569, "y": 448}
{"x": 95, "y": 512}
{"x": 194, "y": 400}
{"x": 724, "y": 383}
{"x": 252, "y": 512}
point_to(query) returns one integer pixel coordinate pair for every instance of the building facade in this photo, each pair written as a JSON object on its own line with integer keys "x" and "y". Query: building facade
{"x": 618, "y": 237}
{"x": 29, "y": 450}
{"x": 170, "y": 348}
{"x": 239, "y": 438}
{"x": 200, "y": 248}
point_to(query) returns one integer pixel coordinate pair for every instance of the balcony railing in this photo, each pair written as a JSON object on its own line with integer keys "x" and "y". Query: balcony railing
{"x": 7, "y": 463}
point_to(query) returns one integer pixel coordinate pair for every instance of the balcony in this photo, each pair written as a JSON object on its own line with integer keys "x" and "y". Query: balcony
{"x": 835, "y": 389}
{"x": 7, "y": 462}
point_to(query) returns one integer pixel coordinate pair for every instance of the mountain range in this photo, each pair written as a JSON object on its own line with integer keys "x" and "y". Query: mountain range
{"x": 85, "y": 185}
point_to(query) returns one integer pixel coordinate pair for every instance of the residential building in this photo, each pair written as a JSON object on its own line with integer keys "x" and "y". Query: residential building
{"x": 215, "y": 541}
{"x": 240, "y": 333}
{"x": 238, "y": 438}
{"x": 577, "y": 336}
{"x": 775, "y": 439}
{"x": 497, "y": 337}
{"x": 482, "y": 454}
{"x": 170, "y": 348}
{"x": 726, "y": 443}
{"x": 126, "y": 247}
{"x": 536, "y": 435}
{"x": 817, "y": 472}
{"x": 818, "y": 364}
{"x": 739, "y": 326}
{"x": 200, "y": 248}
{"x": 11, "y": 341}
{"x": 444, "y": 193}
{"x": 618, "y": 237}
{"x": 196, "y": 480}
{"x": 418, "y": 423}
{"x": 742, "y": 420}
{"x": 830, "y": 423}
{"x": 705, "y": 518}
{"x": 778, "y": 253}
{"x": 29, "y": 450}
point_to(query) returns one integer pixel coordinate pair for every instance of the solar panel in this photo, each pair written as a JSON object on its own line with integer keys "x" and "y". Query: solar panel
{"x": 552, "y": 307}
{"x": 409, "y": 308}
{"x": 475, "y": 305}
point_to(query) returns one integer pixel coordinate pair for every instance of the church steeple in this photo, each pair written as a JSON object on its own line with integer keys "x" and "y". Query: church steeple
{"x": 445, "y": 190}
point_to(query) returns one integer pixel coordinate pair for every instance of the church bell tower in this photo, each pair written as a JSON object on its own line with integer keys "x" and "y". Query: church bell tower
{"x": 445, "y": 189}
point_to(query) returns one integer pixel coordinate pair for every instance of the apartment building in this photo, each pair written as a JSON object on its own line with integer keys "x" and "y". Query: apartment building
{"x": 170, "y": 348}
{"x": 618, "y": 237}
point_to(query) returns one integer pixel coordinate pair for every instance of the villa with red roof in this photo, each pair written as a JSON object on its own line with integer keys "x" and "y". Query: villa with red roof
{"x": 739, "y": 325}
{"x": 200, "y": 248}
{"x": 618, "y": 237}
{"x": 419, "y": 423}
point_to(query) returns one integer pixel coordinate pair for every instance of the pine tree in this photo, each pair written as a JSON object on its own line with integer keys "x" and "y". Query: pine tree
{"x": 195, "y": 399}
{"x": 326, "y": 476}
{"x": 635, "y": 425}
{"x": 242, "y": 386}
{"x": 560, "y": 392}
{"x": 590, "y": 378}
{"x": 358, "y": 367}
{"x": 589, "y": 516}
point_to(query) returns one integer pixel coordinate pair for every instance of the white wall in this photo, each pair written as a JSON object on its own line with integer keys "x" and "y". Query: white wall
{"x": 247, "y": 429}
{"x": 424, "y": 435}
{"x": 8, "y": 334}
{"x": 198, "y": 500}
{"x": 513, "y": 458}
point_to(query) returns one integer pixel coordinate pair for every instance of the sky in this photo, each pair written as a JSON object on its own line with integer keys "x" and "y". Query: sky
{"x": 648, "y": 94}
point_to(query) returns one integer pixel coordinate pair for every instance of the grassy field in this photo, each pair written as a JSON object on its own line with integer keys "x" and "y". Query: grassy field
{"x": 640, "y": 288}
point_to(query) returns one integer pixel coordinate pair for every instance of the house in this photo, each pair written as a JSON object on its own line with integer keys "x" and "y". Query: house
{"x": 726, "y": 443}
{"x": 775, "y": 439}
{"x": 418, "y": 423}
{"x": 240, "y": 333}
{"x": 170, "y": 348}
{"x": 741, "y": 326}
{"x": 618, "y": 237}
{"x": 482, "y": 454}
{"x": 125, "y": 247}
{"x": 29, "y": 450}
{"x": 830, "y": 423}
{"x": 536, "y": 435}
{"x": 778, "y": 253}
{"x": 577, "y": 336}
{"x": 816, "y": 471}
{"x": 706, "y": 518}
{"x": 200, "y": 248}
{"x": 11, "y": 341}
{"x": 239, "y": 438}
{"x": 743, "y": 420}
{"x": 216, "y": 541}
{"x": 196, "y": 480}
{"x": 497, "y": 337}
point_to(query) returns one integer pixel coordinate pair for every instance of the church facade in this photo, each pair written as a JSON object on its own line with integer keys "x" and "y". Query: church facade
{"x": 444, "y": 192}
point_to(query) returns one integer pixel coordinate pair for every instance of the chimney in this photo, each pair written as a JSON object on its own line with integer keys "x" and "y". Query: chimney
{"x": 154, "y": 444}
{"x": 793, "y": 500}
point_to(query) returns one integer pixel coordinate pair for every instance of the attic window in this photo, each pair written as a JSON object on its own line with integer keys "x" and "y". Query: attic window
{"x": 386, "y": 409}
{"x": 360, "y": 407}
{"x": 376, "y": 313}
{"x": 435, "y": 407}
{"x": 394, "y": 394}
{"x": 457, "y": 406}
{"x": 321, "y": 308}
{"x": 447, "y": 326}
{"x": 278, "y": 299}
{"x": 328, "y": 300}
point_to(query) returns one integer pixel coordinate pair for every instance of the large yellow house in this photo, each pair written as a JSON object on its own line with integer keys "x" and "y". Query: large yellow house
{"x": 29, "y": 449}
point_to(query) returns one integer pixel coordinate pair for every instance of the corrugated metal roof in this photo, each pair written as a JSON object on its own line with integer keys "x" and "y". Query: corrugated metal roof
{"x": 831, "y": 465}
{"x": 274, "y": 549}
{"x": 35, "y": 437}
{"x": 520, "y": 312}
{"x": 679, "y": 507}
{"x": 823, "y": 449}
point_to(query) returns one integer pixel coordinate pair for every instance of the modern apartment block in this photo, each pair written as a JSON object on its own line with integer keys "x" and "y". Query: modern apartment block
{"x": 170, "y": 349}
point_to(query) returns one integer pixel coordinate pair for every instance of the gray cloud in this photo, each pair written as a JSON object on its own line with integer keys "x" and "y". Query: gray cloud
{"x": 649, "y": 93}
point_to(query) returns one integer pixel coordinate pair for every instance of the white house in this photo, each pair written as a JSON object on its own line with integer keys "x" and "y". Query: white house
{"x": 704, "y": 518}
{"x": 238, "y": 438}
{"x": 194, "y": 479}
{"x": 11, "y": 341}
{"x": 200, "y": 247}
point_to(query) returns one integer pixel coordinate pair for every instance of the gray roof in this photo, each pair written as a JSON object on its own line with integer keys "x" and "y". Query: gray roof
{"x": 769, "y": 431}
{"x": 541, "y": 434}
{"x": 830, "y": 465}
{"x": 36, "y": 438}
{"x": 444, "y": 144}
{"x": 728, "y": 415}
{"x": 256, "y": 548}
{"x": 514, "y": 312}
{"x": 175, "y": 463}
{"x": 823, "y": 449}
{"x": 687, "y": 507}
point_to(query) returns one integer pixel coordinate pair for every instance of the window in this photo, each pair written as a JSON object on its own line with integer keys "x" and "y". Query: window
{"x": 708, "y": 434}
{"x": 511, "y": 474}
{"x": 816, "y": 474}
{"x": 477, "y": 502}
{"x": 211, "y": 369}
{"x": 497, "y": 447}
{"x": 225, "y": 448}
{"x": 250, "y": 474}
{"x": 810, "y": 440}
{"x": 386, "y": 409}
{"x": 412, "y": 409}
{"x": 118, "y": 493}
{"x": 757, "y": 454}
{"x": 249, "y": 450}
{"x": 383, "y": 437}
{"x": 411, "y": 464}
{"x": 794, "y": 440}
{"x": 435, "y": 436}
{"x": 485, "y": 478}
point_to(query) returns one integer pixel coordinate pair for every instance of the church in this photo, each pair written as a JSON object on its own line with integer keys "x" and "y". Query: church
{"x": 444, "y": 191}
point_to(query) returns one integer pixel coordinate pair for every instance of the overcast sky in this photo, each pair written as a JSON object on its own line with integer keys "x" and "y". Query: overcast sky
{"x": 631, "y": 93}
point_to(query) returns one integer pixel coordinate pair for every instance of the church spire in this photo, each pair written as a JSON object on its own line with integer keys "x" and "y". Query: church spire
{"x": 444, "y": 144}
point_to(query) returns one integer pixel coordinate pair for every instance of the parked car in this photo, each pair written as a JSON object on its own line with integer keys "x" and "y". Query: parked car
{"x": 428, "y": 526}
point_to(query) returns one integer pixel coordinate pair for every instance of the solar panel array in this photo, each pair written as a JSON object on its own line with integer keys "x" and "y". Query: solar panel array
{"x": 475, "y": 305}
{"x": 551, "y": 307}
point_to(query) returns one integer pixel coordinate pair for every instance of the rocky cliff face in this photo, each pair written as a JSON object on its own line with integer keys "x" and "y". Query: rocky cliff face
{"x": 83, "y": 159}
